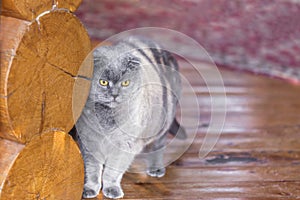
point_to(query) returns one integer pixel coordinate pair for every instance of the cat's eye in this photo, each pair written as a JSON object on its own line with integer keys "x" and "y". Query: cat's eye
{"x": 103, "y": 82}
{"x": 125, "y": 83}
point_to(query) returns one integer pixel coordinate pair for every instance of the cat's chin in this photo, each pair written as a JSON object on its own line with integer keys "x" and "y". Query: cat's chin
{"x": 113, "y": 104}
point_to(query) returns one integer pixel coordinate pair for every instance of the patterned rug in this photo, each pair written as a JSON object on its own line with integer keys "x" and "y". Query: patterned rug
{"x": 261, "y": 36}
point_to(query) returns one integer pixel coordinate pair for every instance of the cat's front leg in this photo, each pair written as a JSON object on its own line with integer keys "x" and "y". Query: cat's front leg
{"x": 92, "y": 178}
{"x": 113, "y": 172}
{"x": 112, "y": 183}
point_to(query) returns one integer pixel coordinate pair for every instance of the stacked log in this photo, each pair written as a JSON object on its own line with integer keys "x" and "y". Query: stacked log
{"x": 48, "y": 167}
{"x": 30, "y": 9}
{"x": 42, "y": 50}
{"x": 39, "y": 65}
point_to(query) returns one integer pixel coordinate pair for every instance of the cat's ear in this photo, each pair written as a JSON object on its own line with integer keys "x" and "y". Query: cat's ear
{"x": 99, "y": 52}
{"x": 133, "y": 62}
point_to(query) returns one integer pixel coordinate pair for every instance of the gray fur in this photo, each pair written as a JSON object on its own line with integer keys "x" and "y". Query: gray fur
{"x": 119, "y": 122}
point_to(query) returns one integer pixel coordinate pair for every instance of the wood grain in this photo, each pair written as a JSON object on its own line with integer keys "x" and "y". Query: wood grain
{"x": 48, "y": 167}
{"x": 257, "y": 155}
{"x": 39, "y": 66}
{"x": 30, "y": 9}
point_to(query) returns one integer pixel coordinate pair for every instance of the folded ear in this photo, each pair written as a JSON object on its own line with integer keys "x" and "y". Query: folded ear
{"x": 99, "y": 52}
{"x": 133, "y": 62}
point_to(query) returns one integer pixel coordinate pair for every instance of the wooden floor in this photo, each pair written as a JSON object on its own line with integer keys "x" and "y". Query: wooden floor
{"x": 256, "y": 157}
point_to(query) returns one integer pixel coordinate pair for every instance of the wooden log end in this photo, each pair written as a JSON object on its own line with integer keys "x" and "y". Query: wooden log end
{"x": 39, "y": 67}
{"x": 48, "y": 167}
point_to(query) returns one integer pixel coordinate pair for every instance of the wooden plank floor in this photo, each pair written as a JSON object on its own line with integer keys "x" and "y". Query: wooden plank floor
{"x": 256, "y": 157}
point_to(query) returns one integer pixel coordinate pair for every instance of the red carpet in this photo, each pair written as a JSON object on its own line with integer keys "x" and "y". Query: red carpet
{"x": 262, "y": 36}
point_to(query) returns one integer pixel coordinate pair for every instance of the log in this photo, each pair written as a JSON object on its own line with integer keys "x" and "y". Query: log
{"x": 40, "y": 61}
{"x": 48, "y": 167}
{"x": 30, "y": 9}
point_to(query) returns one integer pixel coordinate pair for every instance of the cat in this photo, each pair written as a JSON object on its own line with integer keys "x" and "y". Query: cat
{"x": 130, "y": 108}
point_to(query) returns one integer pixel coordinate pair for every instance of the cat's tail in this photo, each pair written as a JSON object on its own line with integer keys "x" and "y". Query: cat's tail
{"x": 177, "y": 130}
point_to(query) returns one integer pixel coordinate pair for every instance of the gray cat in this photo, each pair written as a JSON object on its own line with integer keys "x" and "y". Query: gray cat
{"x": 131, "y": 107}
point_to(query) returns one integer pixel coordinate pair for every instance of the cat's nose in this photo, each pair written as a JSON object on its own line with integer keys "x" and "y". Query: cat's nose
{"x": 114, "y": 96}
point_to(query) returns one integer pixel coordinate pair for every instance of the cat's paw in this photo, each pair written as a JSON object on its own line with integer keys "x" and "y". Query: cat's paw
{"x": 156, "y": 172}
{"x": 89, "y": 193}
{"x": 113, "y": 192}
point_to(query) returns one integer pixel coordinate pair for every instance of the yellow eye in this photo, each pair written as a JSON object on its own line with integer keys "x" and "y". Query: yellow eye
{"x": 125, "y": 83}
{"x": 103, "y": 82}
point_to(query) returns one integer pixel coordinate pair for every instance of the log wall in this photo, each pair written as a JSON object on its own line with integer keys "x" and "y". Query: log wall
{"x": 43, "y": 46}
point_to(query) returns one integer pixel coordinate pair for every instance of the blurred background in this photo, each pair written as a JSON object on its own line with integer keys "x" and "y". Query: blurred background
{"x": 261, "y": 36}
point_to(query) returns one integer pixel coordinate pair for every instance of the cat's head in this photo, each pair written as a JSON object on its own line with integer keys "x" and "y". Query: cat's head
{"x": 116, "y": 76}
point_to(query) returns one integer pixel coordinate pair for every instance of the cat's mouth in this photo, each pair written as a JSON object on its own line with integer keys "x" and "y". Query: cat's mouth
{"x": 112, "y": 104}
